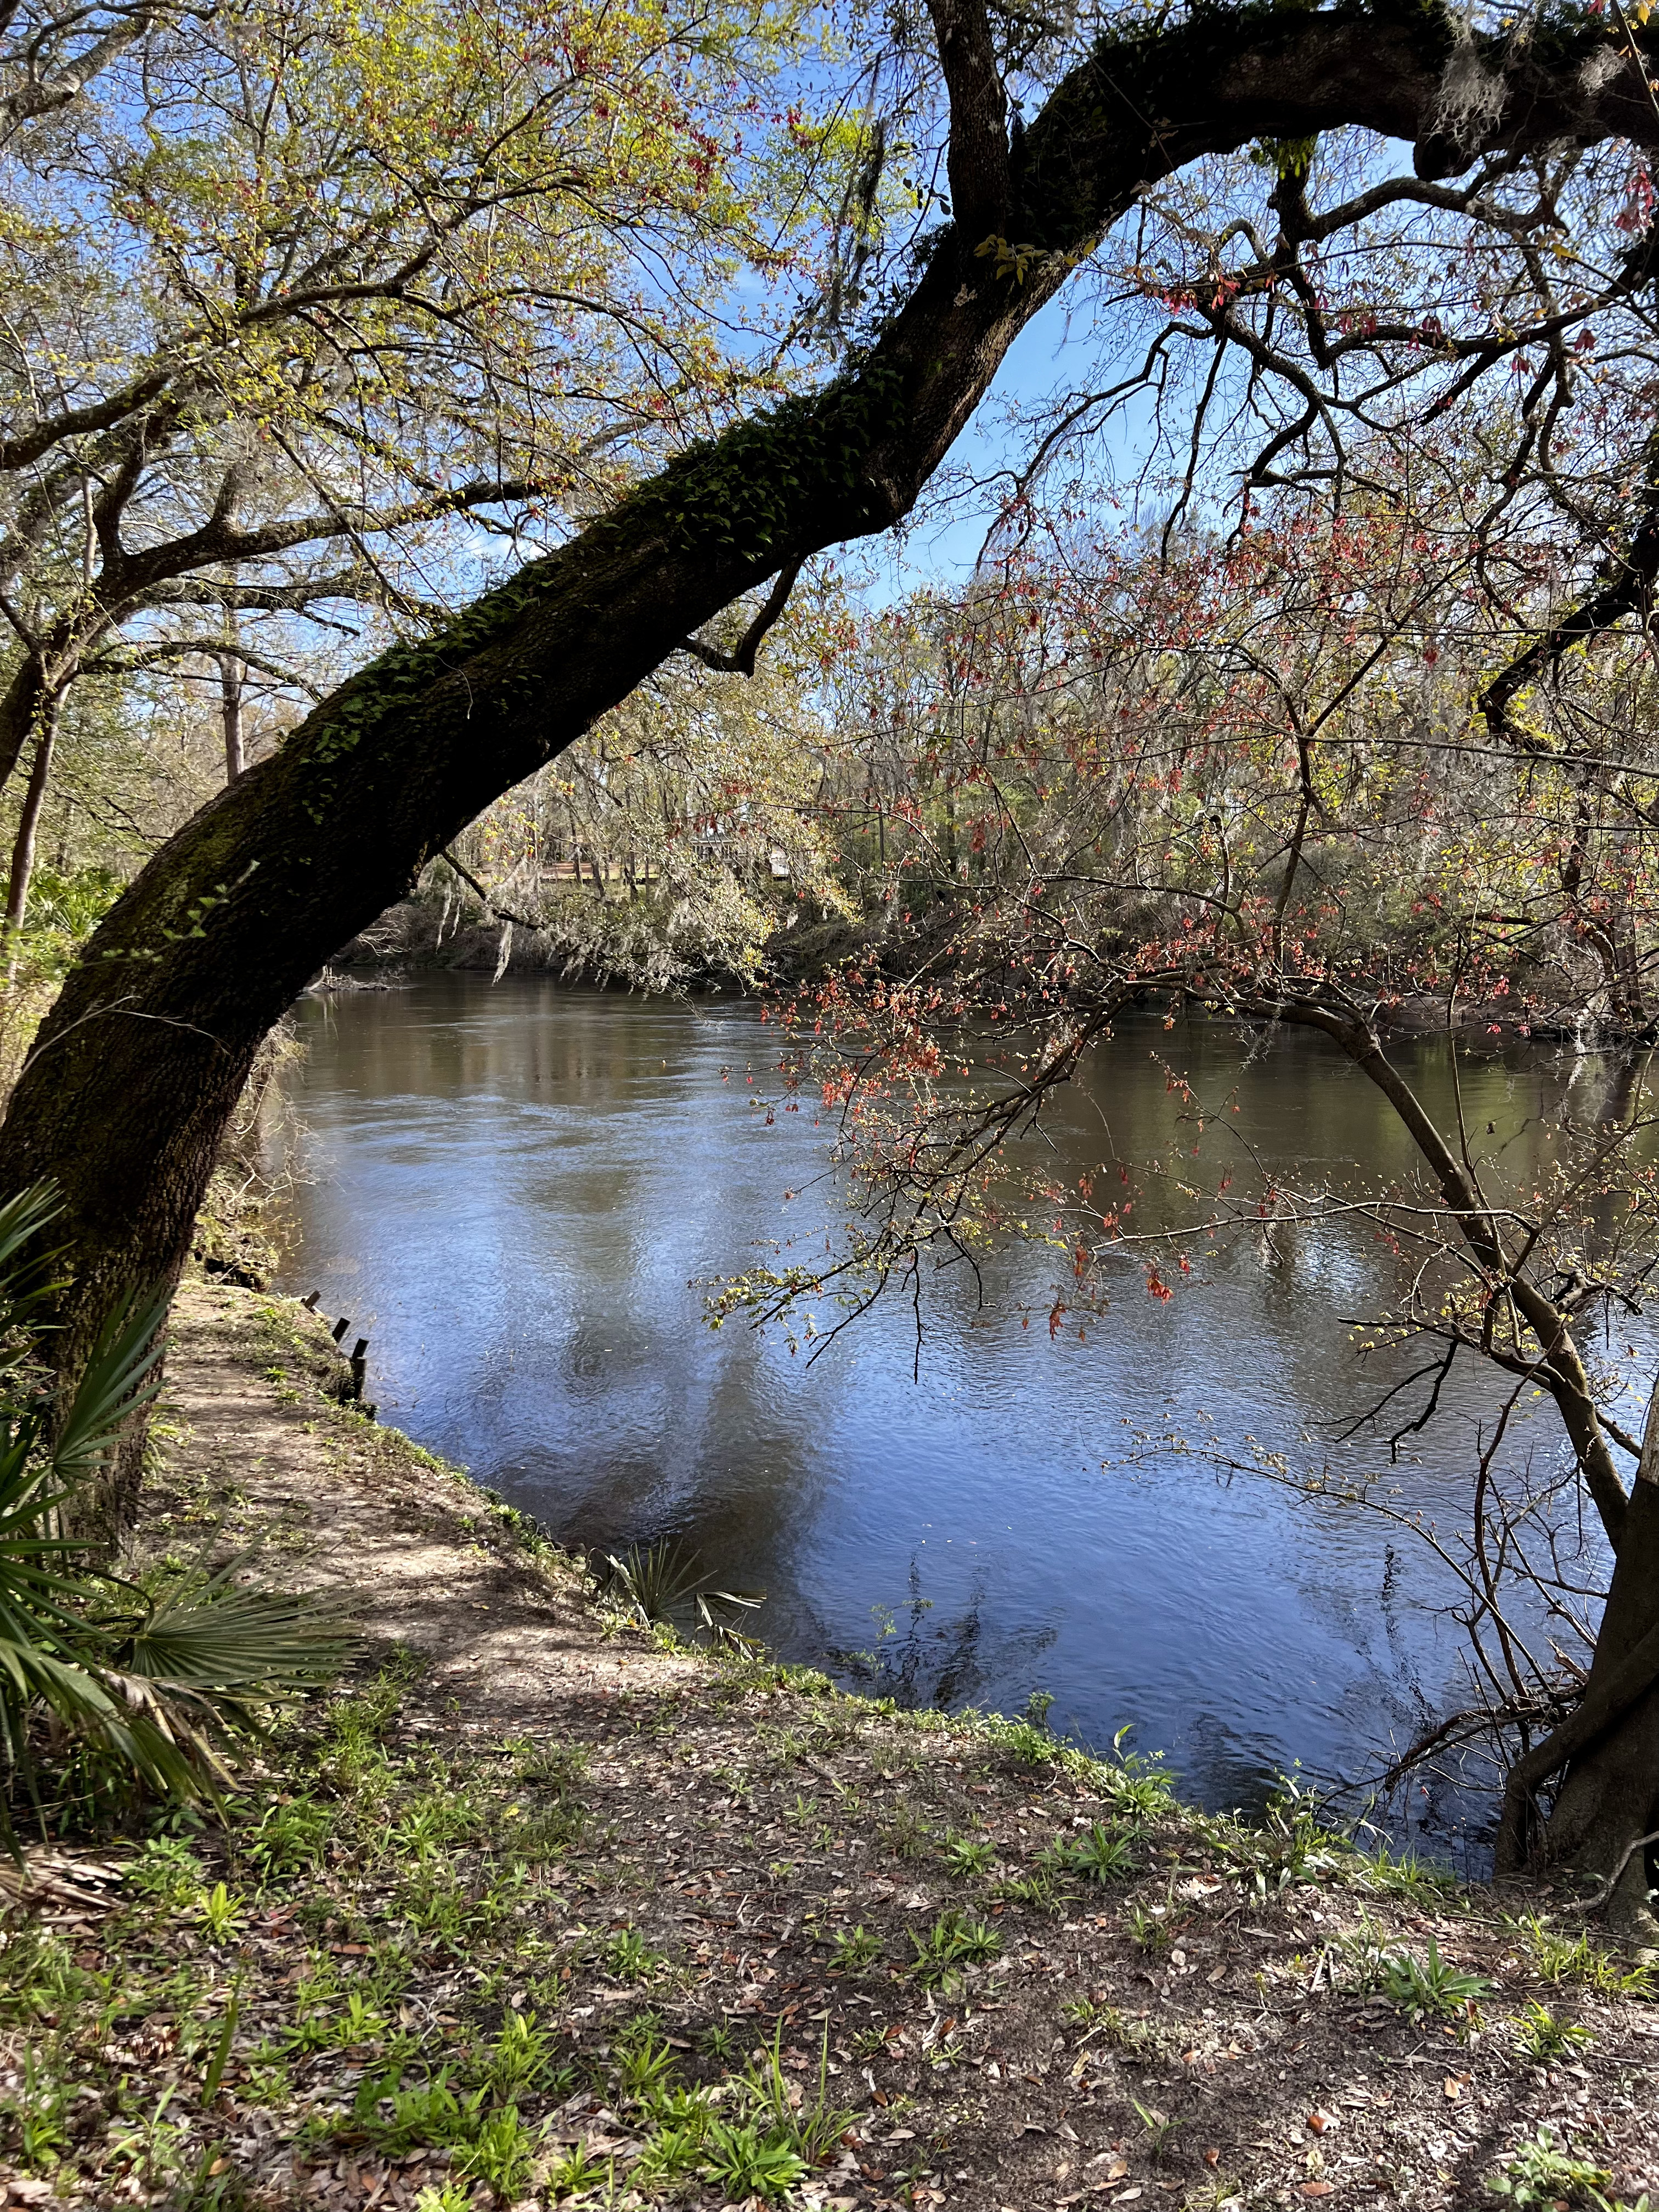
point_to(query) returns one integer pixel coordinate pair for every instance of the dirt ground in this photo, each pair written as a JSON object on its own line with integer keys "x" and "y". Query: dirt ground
{"x": 664, "y": 1926}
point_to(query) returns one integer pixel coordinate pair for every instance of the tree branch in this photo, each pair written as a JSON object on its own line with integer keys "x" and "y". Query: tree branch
{"x": 501, "y": 912}
{"x": 1628, "y": 589}
{"x": 38, "y": 95}
{"x": 128, "y": 661}
{"x": 742, "y": 662}
{"x": 977, "y": 161}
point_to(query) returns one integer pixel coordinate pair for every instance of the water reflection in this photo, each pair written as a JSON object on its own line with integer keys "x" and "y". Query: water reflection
{"x": 512, "y": 1190}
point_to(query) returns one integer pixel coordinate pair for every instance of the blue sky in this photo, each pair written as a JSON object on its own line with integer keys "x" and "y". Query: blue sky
{"x": 1057, "y": 349}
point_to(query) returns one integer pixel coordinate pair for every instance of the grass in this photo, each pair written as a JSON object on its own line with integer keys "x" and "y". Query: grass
{"x": 854, "y": 1949}
{"x": 502, "y": 2153}
{"x": 1426, "y": 1988}
{"x": 630, "y": 1958}
{"x": 389, "y": 1864}
{"x": 967, "y": 1856}
{"x": 1158, "y": 2127}
{"x": 220, "y": 1913}
{"x": 394, "y": 2118}
{"x": 772, "y": 2139}
{"x": 645, "y": 2061}
{"x": 1544, "y": 2035}
{"x": 956, "y": 1942}
{"x": 1386, "y": 1874}
{"x": 673, "y": 2150}
{"x": 1557, "y": 1957}
{"x": 410, "y": 1842}
{"x": 744, "y": 2162}
{"x": 290, "y": 1838}
{"x": 576, "y": 2174}
{"x": 425, "y": 1871}
{"x": 1103, "y": 1855}
{"x": 520, "y": 2060}
{"x": 1036, "y": 1893}
{"x": 1542, "y": 2170}
{"x": 908, "y": 1835}
{"x": 811, "y": 2126}
{"x": 1152, "y": 1927}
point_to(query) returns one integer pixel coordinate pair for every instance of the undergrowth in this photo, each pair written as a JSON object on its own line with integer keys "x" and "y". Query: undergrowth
{"x": 367, "y": 1864}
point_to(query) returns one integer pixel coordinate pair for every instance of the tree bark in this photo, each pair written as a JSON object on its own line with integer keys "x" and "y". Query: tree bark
{"x": 138, "y": 1069}
{"x": 20, "y": 709}
{"x": 28, "y": 822}
{"x": 231, "y": 676}
{"x": 1608, "y": 1747}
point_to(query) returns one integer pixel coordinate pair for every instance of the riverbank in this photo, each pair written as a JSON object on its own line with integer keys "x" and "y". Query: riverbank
{"x": 617, "y": 944}
{"x": 404, "y": 945}
{"x": 620, "y": 942}
{"x": 538, "y": 1910}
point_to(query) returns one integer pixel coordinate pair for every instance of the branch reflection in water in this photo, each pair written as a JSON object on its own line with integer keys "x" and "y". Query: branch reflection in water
{"x": 516, "y": 1188}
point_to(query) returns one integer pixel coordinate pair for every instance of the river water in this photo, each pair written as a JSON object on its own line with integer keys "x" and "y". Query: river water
{"x": 516, "y": 1192}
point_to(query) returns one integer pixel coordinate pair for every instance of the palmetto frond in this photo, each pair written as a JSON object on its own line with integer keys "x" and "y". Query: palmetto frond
{"x": 157, "y": 1682}
{"x": 653, "y": 1579}
{"x": 112, "y": 1386}
{"x": 26, "y": 1277}
{"x": 656, "y": 1581}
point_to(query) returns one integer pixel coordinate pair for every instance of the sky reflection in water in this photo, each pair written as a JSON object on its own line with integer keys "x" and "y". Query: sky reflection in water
{"x": 510, "y": 1190}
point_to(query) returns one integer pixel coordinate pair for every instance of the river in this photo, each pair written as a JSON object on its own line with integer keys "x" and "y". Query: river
{"x": 516, "y": 1192}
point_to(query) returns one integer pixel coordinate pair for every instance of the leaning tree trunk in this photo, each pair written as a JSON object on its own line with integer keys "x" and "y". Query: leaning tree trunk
{"x": 138, "y": 1069}
{"x": 1604, "y": 1759}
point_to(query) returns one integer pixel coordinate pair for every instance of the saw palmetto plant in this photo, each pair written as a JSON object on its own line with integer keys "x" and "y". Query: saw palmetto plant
{"x": 656, "y": 1583}
{"x": 153, "y": 1684}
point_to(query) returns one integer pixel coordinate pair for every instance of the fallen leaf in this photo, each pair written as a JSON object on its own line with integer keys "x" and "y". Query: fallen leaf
{"x": 1454, "y": 2084}
{"x": 1318, "y": 2188}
